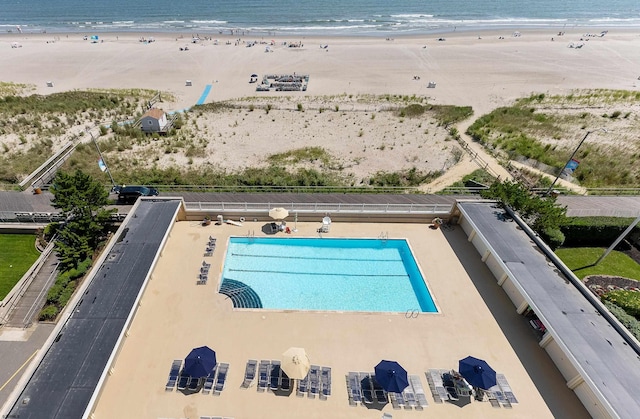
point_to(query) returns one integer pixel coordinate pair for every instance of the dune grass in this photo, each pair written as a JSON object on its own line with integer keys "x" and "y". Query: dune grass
{"x": 581, "y": 259}
{"x": 17, "y": 255}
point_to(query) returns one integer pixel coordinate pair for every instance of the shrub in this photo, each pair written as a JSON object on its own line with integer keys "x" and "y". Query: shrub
{"x": 594, "y": 231}
{"x": 629, "y": 301}
{"x": 553, "y": 237}
{"x": 627, "y": 321}
{"x": 48, "y": 313}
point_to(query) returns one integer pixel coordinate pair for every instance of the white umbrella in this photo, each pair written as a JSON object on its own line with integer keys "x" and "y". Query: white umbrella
{"x": 278, "y": 213}
{"x": 295, "y": 363}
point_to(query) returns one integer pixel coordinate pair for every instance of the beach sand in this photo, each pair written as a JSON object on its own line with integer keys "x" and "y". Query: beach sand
{"x": 484, "y": 73}
{"x": 483, "y": 70}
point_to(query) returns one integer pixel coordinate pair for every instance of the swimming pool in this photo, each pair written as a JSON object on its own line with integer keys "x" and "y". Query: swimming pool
{"x": 326, "y": 274}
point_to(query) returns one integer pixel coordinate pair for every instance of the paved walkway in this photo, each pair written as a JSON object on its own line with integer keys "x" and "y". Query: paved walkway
{"x": 31, "y": 302}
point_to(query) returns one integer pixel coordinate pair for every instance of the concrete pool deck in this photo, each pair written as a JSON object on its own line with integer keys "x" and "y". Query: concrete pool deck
{"x": 476, "y": 318}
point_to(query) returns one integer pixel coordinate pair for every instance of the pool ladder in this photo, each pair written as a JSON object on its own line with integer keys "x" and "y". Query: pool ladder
{"x": 412, "y": 313}
{"x": 251, "y": 234}
{"x": 384, "y": 236}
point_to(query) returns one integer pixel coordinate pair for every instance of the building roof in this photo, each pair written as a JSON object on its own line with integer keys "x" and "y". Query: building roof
{"x": 66, "y": 378}
{"x": 607, "y": 363}
{"x": 154, "y": 113}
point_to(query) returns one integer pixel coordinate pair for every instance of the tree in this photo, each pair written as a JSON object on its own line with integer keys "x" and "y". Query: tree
{"x": 542, "y": 214}
{"x": 81, "y": 199}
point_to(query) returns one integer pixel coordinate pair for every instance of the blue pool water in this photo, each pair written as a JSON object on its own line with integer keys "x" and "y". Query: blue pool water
{"x": 328, "y": 274}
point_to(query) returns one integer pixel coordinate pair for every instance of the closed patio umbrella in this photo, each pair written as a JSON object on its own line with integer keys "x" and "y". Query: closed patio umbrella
{"x": 200, "y": 362}
{"x": 477, "y": 372}
{"x": 391, "y": 376}
{"x": 295, "y": 363}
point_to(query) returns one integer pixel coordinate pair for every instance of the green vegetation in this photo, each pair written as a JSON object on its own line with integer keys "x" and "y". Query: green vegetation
{"x": 630, "y": 322}
{"x": 594, "y": 231}
{"x": 581, "y": 259}
{"x": 629, "y": 301}
{"x": 64, "y": 103}
{"x": 534, "y": 127}
{"x": 13, "y": 89}
{"x": 307, "y": 154}
{"x": 17, "y": 255}
{"x": 542, "y": 214}
{"x": 40, "y": 121}
{"x": 446, "y": 115}
{"x": 407, "y": 178}
{"x": 478, "y": 175}
{"x": 62, "y": 290}
{"x": 81, "y": 199}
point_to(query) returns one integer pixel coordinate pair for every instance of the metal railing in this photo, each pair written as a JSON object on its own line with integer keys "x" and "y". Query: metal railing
{"x": 312, "y": 208}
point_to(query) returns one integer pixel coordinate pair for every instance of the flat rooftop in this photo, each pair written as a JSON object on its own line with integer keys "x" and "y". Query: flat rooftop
{"x": 66, "y": 378}
{"x": 475, "y": 318}
{"x": 599, "y": 352}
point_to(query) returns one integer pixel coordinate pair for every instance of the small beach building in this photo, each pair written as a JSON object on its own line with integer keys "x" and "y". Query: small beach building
{"x": 154, "y": 120}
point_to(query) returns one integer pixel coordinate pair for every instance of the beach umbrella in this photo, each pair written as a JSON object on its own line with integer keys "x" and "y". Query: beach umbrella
{"x": 278, "y": 213}
{"x": 295, "y": 363}
{"x": 200, "y": 362}
{"x": 391, "y": 376}
{"x": 477, "y": 372}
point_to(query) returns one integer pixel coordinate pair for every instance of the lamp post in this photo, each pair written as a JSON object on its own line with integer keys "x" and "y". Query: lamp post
{"x": 571, "y": 158}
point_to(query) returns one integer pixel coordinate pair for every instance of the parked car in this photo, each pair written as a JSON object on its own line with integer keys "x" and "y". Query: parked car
{"x": 132, "y": 193}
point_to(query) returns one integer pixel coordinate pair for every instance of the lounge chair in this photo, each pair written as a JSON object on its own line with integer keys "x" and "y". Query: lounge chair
{"x": 367, "y": 387}
{"x": 325, "y": 379}
{"x": 492, "y": 398}
{"x": 173, "y": 375}
{"x": 183, "y": 382}
{"x": 285, "y": 381}
{"x": 434, "y": 378}
{"x": 221, "y": 379}
{"x": 194, "y": 384}
{"x": 506, "y": 388}
{"x": 353, "y": 387}
{"x": 303, "y": 386}
{"x": 499, "y": 395}
{"x": 379, "y": 392}
{"x": 208, "y": 384}
{"x": 314, "y": 381}
{"x": 418, "y": 391}
{"x": 275, "y": 375}
{"x": 263, "y": 375}
{"x": 250, "y": 373}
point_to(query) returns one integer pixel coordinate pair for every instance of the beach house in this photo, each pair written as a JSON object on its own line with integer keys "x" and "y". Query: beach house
{"x": 154, "y": 120}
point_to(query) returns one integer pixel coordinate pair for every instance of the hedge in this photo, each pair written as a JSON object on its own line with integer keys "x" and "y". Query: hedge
{"x": 60, "y": 293}
{"x": 48, "y": 313}
{"x": 594, "y": 231}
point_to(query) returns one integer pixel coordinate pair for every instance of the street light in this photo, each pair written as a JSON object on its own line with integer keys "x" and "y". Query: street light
{"x": 571, "y": 158}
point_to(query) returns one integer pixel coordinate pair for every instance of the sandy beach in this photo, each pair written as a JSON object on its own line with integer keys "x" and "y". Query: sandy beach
{"x": 483, "y": 70}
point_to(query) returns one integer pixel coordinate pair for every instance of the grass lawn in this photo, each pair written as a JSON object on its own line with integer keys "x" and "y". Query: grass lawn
{"x": 17, "y": 254}
{"x": 616, "y": 263}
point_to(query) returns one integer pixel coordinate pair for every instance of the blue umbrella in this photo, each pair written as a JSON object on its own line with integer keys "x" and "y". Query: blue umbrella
{"x": 200, "y": 362}
{"x": 477, "y": 372}
{"x": 391, "y": 376}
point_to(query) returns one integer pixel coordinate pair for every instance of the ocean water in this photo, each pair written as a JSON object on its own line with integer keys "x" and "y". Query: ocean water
{"x": 312, "y": 17}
